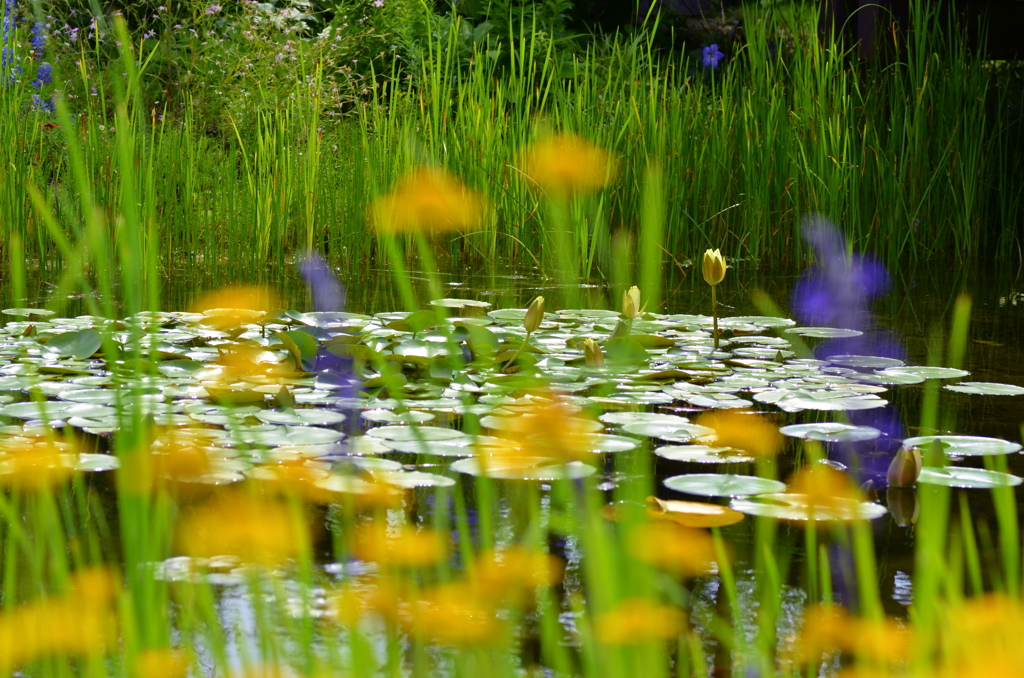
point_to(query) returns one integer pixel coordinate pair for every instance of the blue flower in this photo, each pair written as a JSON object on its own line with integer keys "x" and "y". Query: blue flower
{"x": 44, "y": 76}
{"x": 712, "y": 56}
{"x": 38, "y": 40}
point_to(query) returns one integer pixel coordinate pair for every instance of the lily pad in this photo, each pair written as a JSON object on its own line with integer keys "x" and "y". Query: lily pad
{"x": 831, "y": 432}
{"x": 302, "y": 417}
{"x": 859, "y": 361}
{"x": 959, "y": 476}
{"x": 823, "y": 400}
{"x": 702, "y": 454}
{"x": 692, "y": 513}
{"x": 78, "y": 345}
{"x": 384, "y": 416}
{"x": 823, "y": 332}
{"x": 929, "y": 372}
{"x": 964, "y": 446}
{"x": 428, "y": 433}
{"x": 676, "y": 431}
{"x": 985, "y": 388}
{"x": 800, "y": 507}
{"x": 722, "y": 485}
{"x": 621, "y": 418}
{"x": 412, "y": 479}
{"x": 543, "y": 470}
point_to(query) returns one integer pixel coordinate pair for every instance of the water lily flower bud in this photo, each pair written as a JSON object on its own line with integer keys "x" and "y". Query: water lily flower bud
{"x": 592, "y": 353}
{"x": 713, "y": 267}
{"x": 534, "y": 315}
{"x": 631, "y": 302}
{"x": 905, "y": 467}
{"x": 903, "y": 505}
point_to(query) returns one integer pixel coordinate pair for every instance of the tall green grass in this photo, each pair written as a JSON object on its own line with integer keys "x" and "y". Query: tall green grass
{"x": 915, "y": 157}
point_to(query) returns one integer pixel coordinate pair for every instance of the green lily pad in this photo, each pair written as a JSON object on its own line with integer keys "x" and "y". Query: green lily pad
{"x": 53, "y": 409}
{"x": 676, "y": 431}
{"x": 27, "y": 312}
{"x": 823, "y": 400}
{"x": 702, "y": 454}
{"x": 722, "y": 484}
{"x": 985, "y": 388}
{"x": 302, "y": 417}
{"x": 384, "y": 416}
{"x": 94, "y": 462}
{"x": 959, "y": 476}
{"x": 823, "y": 332}
{"x": 799, "y": 507}
{"x": 621, "y": 418}
{"x": 79, "y": 345}
{"x": 929, "y": 372}
{"x": 429, "y": 433}
{"x": 412, "y": 479}
{"x": 964, "y": 446}
{"x": 541, "y": 470}
{"x": 831, "y": 432}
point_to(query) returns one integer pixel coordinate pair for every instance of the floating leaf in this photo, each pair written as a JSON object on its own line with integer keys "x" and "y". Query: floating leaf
{"x": 929, "y": 372}
{"x": 703, "y": 454}
{"x": 543, "y": 470}
{"x": 831, "y": 432}
{"x": 26, "y": 312}
{"x": 677, "y": 431}
{"x": 79, "y": 345}
{"x": 415, "y": 433}
{"x": 965, "y": 446}
{"x": 869, "y": 361}
{"x": 960, "y": 476}
{"x": 823, "y": 332}
{"x": 642, "y": 418}
{"x": 692, "y": 513}
{"x": 800, "y": 507}
{"x": 985, "y": 388}
{"x": 304, "y": 417}
{"x": 722, "y": 485}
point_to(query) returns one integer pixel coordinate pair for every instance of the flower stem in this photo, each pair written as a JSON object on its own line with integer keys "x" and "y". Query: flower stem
{"x": 714, "y": 313}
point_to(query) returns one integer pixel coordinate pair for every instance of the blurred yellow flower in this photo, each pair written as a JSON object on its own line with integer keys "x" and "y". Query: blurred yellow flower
{"x": 564, "y": 164}
{"x": 685, "y": 551}
{"x": 80, "y": 622}
{"x": 36, "y": 464}
{"x": 547, "y": 428}
{"x": 824, "y": 486}
{"x": 159, "y": 663}
{"x": 409, "y": 547}
{"x": 353, "y": 602}
{"x": 745, "y": 431}
{"x": 454, "y": 614}
{"x": 513, "y": 574}
{"x": 427, "y": 199}
{"x": 638, "y": 620}
{"x": 254, "y": 529}
{"x": 231, "y": 307}
{"x": 830, "y": 628}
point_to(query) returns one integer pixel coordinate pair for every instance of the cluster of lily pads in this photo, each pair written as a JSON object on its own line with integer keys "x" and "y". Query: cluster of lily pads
{"x": 340, "y": 391}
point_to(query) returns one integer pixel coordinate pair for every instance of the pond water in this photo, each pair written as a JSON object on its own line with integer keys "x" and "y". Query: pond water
{"x": 913, "y": 314}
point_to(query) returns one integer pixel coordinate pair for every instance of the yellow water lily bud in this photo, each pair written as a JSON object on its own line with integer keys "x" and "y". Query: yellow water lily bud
{"x": 713, "y": 267}
{"x": 631, "y": 302}
{"x": 592, "y": 353}
{"x": 534, "y": 315}
{"x": 905, "y": 467}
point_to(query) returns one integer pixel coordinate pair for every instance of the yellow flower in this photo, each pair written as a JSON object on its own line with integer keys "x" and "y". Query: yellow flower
{"x": 228, "y": 308}
{"x": 547, "y": 428}
{"x": 162, "y": 663}
{"x": 80, "y": 622}
{"x": 631, "y": 303}
{"x": 824, "y": 487}
{"x": 534, "y": 315}
{"x": 454, "y": 614}
{"x": 564, "y": 164}
{"x": 514, "y": 573}
{"x": 35, "y": 465}
{"x": 744, "y": 431}
{"x": 638, "y": 620}
{"x": 256, "y": 530}
{"x": 685, "y": 551}
{"x": 427, "y": 200}
{"x": 409, "y": 548}
{"x": 713, "y": 267}
{"x": 592, "y": 353}
{"x": 830, "y": 628}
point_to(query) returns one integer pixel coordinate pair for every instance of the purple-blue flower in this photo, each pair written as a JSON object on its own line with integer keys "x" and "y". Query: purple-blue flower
{"x": 712, "y": 56}
{"x": 328, "y": 296}
{"x": 44, "y": 76}
{"x": 38, "y": 39}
